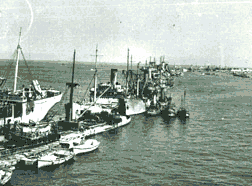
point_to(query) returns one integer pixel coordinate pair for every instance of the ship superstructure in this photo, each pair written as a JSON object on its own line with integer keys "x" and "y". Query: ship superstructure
{"x": 111, "y": 90}
{"x": 27, "y": 104}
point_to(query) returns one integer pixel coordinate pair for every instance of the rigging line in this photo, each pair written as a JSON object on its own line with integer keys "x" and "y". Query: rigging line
{"x": 88, "y": 88}
{"x": 3, "y": 81}
{"x": 26, "y": 64}
{"x": 94, "y": 102}
{"x": 10, "y": 65}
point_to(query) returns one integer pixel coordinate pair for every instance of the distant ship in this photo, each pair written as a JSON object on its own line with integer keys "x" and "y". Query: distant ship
{"x": 29, "y": 103}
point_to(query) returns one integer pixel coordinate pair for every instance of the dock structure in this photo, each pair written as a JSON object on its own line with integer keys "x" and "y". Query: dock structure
{"x": 10, "y": 157}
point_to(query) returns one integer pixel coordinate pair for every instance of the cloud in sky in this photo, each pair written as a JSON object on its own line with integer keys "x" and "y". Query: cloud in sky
{"x": 218, "y": 32}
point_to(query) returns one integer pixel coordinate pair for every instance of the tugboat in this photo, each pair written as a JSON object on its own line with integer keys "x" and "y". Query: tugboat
{"x": 182, "y": 113}
{"x": 29, "y": 103}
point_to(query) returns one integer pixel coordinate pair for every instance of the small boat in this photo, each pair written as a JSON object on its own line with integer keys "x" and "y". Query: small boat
{"x": 182, "y": 113}
{"x": 84, "y": 146}
{"x": 7, "y": 164}
{"x": 153, "y": 110}
{"x": 78, "y": 144}
{"x": 28, "y": 160}
{"x": 62, "y": 156}
{"x": 45, "y": 160}
{"x": 55, "y": 158}
{"x": 5, "y": 175}
{"x": 171, "y": 112}
{"x": 168, "y": 112}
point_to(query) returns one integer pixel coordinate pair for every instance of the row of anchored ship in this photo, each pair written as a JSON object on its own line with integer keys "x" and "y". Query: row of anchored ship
{"x": 34, "y": 139}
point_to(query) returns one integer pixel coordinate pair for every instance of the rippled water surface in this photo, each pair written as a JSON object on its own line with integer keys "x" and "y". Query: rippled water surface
{"x": 213, "y": 147}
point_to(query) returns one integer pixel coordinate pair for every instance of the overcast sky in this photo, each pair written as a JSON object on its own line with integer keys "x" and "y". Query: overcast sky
{"x": 185, "y": 32}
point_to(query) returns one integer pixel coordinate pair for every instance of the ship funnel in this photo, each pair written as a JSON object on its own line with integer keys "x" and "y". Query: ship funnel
{"x": 146, "y": 75}
{"x": 163, "y": 94}
{"x": 163, "y": 65}
{"x": 149, "y": 73}
{"x": 113, "y": 77}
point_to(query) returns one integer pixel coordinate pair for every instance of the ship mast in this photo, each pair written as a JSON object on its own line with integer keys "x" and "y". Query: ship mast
{"x": 138, "y": 78}
{"x": 69, "y": 111}
{"x": 131, "y": 70}
{"x": 131, "y": 62}
{"x": 127, "y": 83}
{"x": 71, "y": 91}
{"x": 95, "y": 75}
{"x": 95, "y": 78}
{"x": 16, "y": 71}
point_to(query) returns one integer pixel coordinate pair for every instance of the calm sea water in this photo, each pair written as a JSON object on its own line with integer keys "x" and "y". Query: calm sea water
{"x": 213, "y": 147}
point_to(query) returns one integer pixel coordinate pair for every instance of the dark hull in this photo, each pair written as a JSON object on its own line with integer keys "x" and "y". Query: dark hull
{"x": 19, "y": 141}
{"x": 182, "y": 113}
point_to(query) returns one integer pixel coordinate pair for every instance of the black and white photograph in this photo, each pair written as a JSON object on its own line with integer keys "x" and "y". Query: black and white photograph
{"x": 137, "y": 92}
